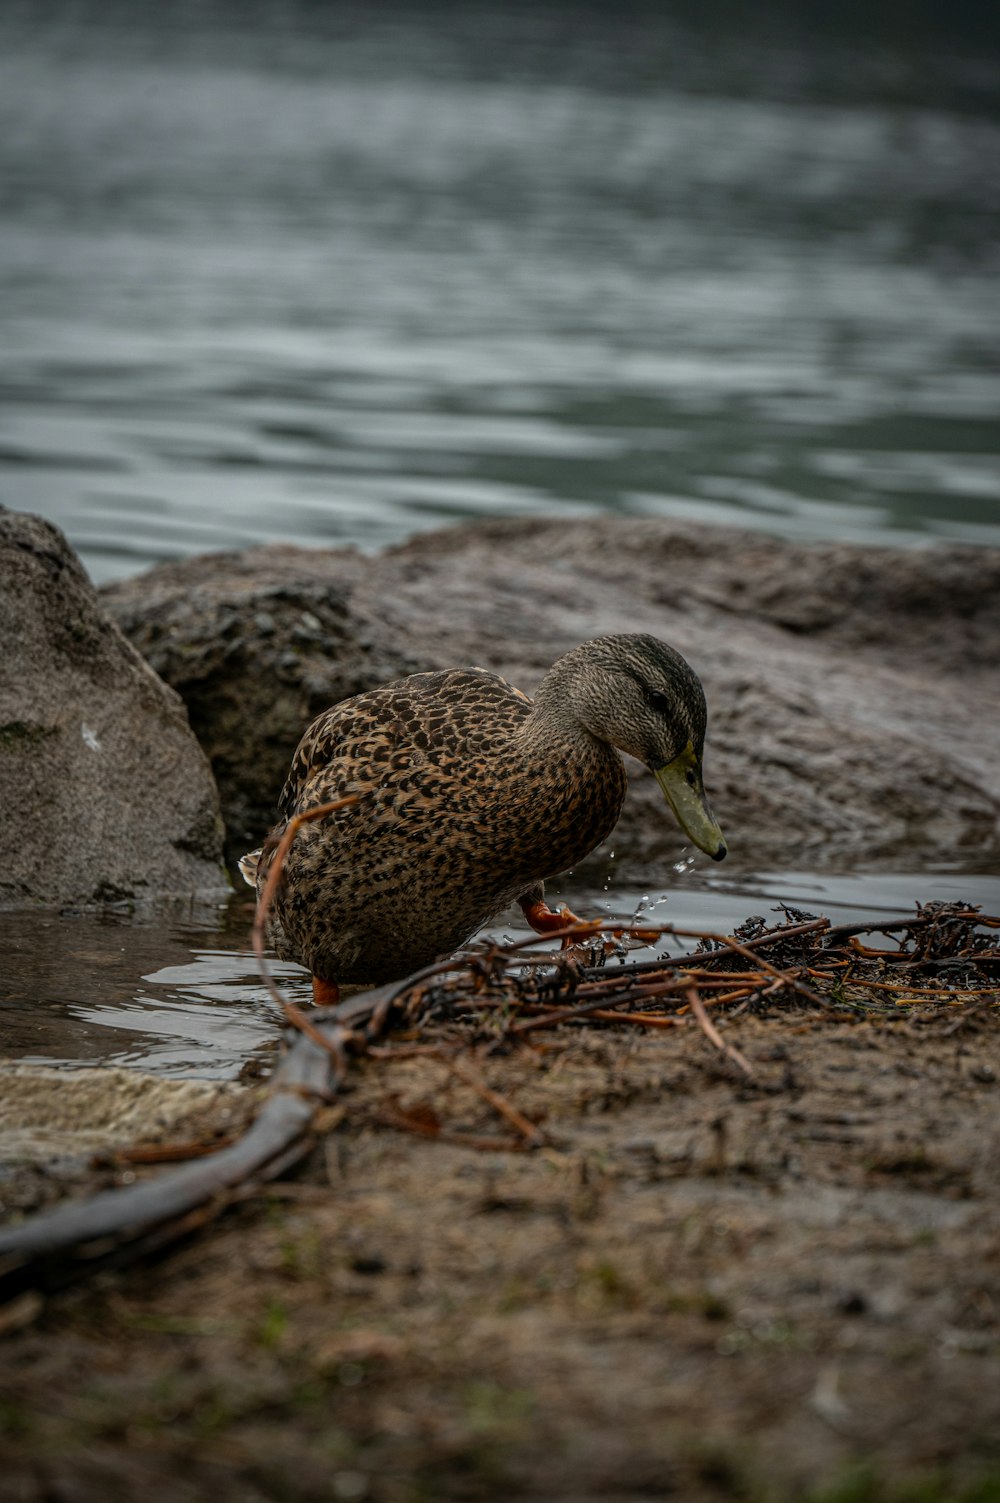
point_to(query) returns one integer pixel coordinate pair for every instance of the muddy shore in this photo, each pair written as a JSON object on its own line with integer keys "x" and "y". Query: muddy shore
{"x": 704, "y": 1287}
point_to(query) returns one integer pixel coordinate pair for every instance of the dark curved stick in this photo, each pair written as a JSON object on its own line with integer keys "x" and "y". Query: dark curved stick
{"x": 73, "y": 1240}
{"x": 58, "y": 1247}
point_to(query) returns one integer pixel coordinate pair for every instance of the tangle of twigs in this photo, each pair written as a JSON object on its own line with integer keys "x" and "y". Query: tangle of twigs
{"x": 498, "y": 998}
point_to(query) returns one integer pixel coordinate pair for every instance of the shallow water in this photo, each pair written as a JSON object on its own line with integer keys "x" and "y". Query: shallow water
{"x": 178, "y": 992}
{"x": 336, "y": 274}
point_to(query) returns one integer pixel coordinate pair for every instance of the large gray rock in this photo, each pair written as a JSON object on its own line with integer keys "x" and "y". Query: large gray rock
{"x": 851, "y": 692}
{"x": 854, "y": 694}
{"x": 257, "y": 644}
{"x": 104, "y": 790}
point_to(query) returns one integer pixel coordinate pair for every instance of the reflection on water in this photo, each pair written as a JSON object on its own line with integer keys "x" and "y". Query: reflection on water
{"x": 334, "y": 273}
{"x": 178, "y": 992}
{"x": 306, "y": 272}
{"x": 174, "y": 988}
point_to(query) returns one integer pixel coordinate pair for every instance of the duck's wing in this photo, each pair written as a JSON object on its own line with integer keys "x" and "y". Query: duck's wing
{"x": 341, "y": 752}
{"x": 450, "y": 717}
{"x": 343, "y": 749}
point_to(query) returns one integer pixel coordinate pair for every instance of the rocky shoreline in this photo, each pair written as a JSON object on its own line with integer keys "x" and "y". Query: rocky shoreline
{"x": 105, "y": 792}
{"x": 707, "y": 1286}
{"x": 849, "y": 689}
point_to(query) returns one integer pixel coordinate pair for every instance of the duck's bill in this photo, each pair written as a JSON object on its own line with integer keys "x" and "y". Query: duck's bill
{"x": 684, "y": 791}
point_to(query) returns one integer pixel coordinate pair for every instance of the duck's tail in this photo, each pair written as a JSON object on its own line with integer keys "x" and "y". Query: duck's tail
{"x": 248, "y": 866}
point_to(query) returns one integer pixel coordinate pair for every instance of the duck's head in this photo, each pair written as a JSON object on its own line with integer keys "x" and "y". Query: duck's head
{"x": 641, "y": 696}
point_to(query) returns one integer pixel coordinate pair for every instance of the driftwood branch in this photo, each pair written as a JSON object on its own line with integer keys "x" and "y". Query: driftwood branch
{"x": 525, "y": 992}
{"x": 59, "y": 1246}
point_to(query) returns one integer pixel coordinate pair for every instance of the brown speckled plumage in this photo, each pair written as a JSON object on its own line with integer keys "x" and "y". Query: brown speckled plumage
{"x": 471, "y": 796}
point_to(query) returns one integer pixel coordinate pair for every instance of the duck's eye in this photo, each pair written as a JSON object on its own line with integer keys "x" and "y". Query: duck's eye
{"x": 659, "y": 702}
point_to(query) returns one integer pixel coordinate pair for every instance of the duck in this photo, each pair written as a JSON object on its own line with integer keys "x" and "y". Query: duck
{"x": 467, "y": 797}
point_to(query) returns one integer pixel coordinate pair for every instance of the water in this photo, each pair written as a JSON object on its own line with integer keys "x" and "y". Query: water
{"x": 335, "y": 274}
{"x": 177, "y": 991}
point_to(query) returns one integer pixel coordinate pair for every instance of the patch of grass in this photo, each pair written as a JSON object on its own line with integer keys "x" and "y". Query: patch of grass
{"x": 177, "y": 1325}
{"x": 862, "y": 1483}
{"x": 475, "y": 1463}
{"x": 301, "y": 1252}
{"x": 273, "y": 1326}
{"x": 857, "y": 1484}
{"x": 697, "y": 1302}
{"x": 303, "y": 1257}
{"x": 491, "y": 1409}
{"x": 985, "y": 1490}
{"x": 837, "y": 994}
{"x": 14, "y": 1420}
{"x": 604, "y": 1284}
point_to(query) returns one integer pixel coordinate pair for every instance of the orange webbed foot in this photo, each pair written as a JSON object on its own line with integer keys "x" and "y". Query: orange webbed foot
{"x": 545, "y": 920}
{"x": 325, "y": 993}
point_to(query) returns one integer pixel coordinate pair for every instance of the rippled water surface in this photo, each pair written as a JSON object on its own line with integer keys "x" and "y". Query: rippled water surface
{"x": 177, "y": 991}
{"x": 334, "y": 274}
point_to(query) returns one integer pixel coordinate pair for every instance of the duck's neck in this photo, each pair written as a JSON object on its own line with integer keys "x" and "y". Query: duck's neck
{"x": 574, "y": 779}
{"x": 555, "y": 717}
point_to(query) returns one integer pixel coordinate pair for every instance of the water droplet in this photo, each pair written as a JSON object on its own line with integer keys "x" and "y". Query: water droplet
{"x": 639, "y": 907}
